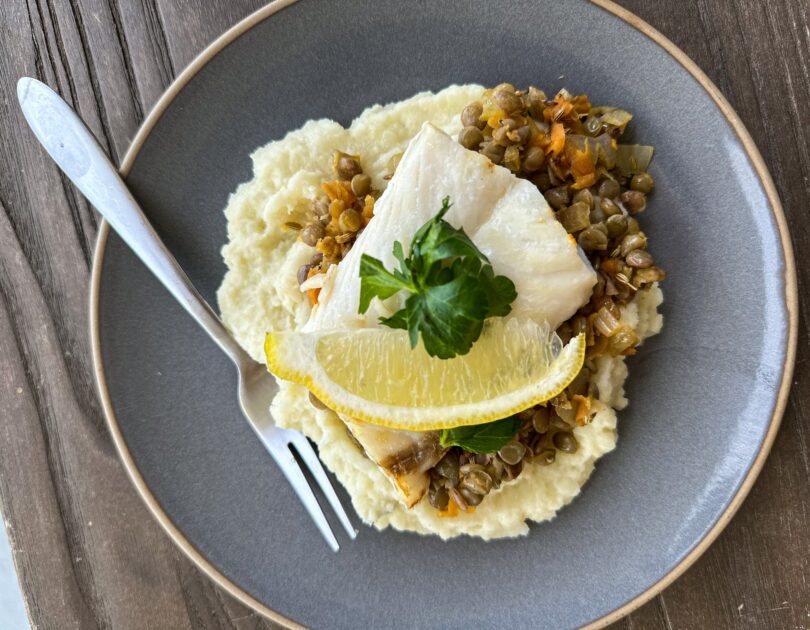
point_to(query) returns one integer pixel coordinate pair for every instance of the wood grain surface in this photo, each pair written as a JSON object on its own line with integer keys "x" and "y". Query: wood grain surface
{"x": 87, "y": 552}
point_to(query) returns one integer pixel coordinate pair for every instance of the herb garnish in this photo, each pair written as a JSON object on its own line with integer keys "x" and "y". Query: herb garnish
{"x": 482, "y": 438}
{"x": 452, "y": 285}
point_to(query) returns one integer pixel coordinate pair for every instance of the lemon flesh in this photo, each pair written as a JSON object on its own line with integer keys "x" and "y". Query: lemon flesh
{"x": 373, "y": 375}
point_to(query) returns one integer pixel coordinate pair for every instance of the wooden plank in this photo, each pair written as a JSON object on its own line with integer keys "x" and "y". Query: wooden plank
{"x": 87, "y": 552}
{"x": 191, "y": 26}
{"x": 756, "y": 574}
{"x": 59, "y": 473}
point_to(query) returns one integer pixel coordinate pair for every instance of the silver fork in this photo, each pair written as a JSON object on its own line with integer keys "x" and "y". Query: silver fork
{"x": 74, "y": 149}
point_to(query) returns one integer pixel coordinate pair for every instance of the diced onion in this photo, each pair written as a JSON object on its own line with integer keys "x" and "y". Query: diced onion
{"x": 633, "y": 158}
{"x": 616, "y": 118}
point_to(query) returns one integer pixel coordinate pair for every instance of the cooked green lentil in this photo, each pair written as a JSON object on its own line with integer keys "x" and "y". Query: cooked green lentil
{"x": 583, "y": 174}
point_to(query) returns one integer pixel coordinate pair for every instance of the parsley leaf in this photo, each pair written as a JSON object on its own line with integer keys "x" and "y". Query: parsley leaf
{"x": 500, "y": 291}
{"x": 482, "y": 438}
{"x": 378, "y": 281}
{"x": 450, "y": 316}
{"x": 452, "y": 287}
{"x": 437, "y": 240}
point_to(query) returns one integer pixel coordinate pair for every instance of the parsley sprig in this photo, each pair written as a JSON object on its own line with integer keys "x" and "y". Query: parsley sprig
{"x": 482, "y": 438}
{"x": 452, "y": 287}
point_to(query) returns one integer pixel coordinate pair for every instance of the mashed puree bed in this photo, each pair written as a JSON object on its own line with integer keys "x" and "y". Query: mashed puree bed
{"x": 260, "y": 292}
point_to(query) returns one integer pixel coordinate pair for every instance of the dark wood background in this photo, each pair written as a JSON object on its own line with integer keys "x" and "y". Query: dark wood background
{"x": 87, "y": 552}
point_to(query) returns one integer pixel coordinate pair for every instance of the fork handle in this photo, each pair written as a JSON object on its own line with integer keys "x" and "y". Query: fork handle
{"x": 74, "y": 149}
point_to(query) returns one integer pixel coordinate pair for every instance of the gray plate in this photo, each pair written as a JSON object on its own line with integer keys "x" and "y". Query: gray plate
{"x": 706, "y": 395}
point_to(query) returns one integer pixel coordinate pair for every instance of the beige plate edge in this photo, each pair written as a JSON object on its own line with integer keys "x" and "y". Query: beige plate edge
{"x": 791, "y": 298}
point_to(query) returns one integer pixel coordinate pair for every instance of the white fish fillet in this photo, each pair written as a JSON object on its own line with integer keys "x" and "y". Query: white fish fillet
{"x": 506, "y": 217}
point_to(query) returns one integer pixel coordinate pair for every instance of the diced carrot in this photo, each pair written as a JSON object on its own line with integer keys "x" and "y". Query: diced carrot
{"x": 540, "y": 139}
{"x": 583, "y": 409}
{"x": 368, "y": 207}
{"x": 451, "y": 511}
{"x": 339, "y": 190}
{"x": 336, "y": 207}
{"x": 312, "y": 294}
{"x": 586, "y": 181}
{"x": 582, "y": 163}
{"x": 583, "y": 168}
{"x": 557, "y": 139}
{"x": 494, "y": 121}
{"x": 559, "y": 108}
{"x": 581, "y": 104}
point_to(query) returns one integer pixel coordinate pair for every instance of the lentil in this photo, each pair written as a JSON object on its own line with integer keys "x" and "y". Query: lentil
{"x": 349, "y": 220}
{"x": 361, "y": 184}
{"x": 633, "y": 241}
{"x": 312, "y": 234}
{"x": 608, "y": 189}
{"x": 470, "y": 137}
{"x": 448, "y": 466}
{"x": 557, "y": 197}
{"x": 507, "y": 100}
{"x": 438, "y": 497}
{"x": 512, "y": 453}
{"x": 496, "y": 470}
{"x": 609, "y": 207}
{"x": 514, "y": 470}
{"x": 471, "y": 115}
{"x": 493, "y": 151}
{"x": 642, "y": 182}
{"x": 533, "y": 159}
{"x": 303, "y": 273}
{"x": 566, "y": 442}
{"x": 634, "y": 201}
{"x": 598, "y": 215}
{"x": 639, "y": 258}
{"x": 477, "y": 481}
{"x": 593, "y": 239}
{"x": 511, "y": 158}
{"x": 584, "y": 196}
{"x": 540, "y": 419}
{"x": 616, "y": 225}
{"x": 471, "y": 498}
{"x": 348, "y": 167}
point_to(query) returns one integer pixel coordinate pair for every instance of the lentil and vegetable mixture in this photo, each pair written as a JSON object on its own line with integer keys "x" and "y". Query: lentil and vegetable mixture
{"x": 597, "y": 187}
{"x": 337, "y": 217}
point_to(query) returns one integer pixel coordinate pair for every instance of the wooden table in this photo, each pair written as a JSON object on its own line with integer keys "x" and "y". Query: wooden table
{"x": 87, "y": 552}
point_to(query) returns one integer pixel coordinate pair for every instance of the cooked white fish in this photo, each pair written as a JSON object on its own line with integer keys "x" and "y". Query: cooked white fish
{"x": 506, "y": 217}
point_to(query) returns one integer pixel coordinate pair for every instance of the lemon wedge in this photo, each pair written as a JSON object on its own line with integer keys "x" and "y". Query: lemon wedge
{"x": 374, "y": 376}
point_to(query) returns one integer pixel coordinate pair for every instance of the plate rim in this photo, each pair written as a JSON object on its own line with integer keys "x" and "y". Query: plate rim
{"x": 790, "y": 296}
